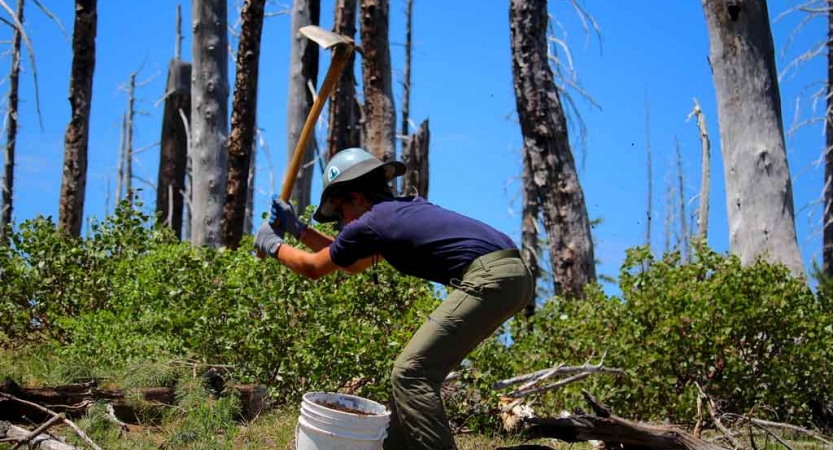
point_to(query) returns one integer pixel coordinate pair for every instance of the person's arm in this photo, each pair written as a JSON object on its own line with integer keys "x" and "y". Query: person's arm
{"x": 315, "y": 265}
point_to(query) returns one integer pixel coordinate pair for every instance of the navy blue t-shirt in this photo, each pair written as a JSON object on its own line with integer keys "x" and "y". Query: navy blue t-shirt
{"x": 417, "y": 238}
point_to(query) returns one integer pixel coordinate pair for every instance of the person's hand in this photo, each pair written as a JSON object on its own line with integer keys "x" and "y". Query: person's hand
{"x": 284, "y": 219}
{"x": 267, "y": 240}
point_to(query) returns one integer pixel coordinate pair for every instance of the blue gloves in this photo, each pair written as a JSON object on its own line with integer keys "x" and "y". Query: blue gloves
{"x": 268, "y": 239}
{"x": 283, "y": 218}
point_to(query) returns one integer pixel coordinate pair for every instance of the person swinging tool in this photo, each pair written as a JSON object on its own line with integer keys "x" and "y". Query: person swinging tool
{"x": 419, "y": 239}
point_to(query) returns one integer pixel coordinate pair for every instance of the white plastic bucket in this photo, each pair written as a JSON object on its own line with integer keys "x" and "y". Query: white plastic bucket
{"x": 323, "y": 428}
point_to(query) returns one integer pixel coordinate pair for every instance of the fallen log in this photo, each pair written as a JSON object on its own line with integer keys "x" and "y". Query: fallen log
{"x": 12, "y": 433}
{"x": 612, "y": 430}
{"x": 74, "y": 400}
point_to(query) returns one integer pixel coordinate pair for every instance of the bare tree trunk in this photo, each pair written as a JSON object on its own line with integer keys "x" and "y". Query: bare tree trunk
{"x": 74, "y": 180}
{"x": 209, "y": 123}
{"x": 705, "y": 172}
{"x": 415, "y": 157}
{"x": 530, "y": 248}
{"x": 248, "y": 225}
{"x": 547, "y": 146}
{"x": 303, "y": 70}
{"x": 648, "y": 216}
{"x": 758, "y": 185}
{"x": 683, "y": 217}
{"x": 11, "y": 131}
{"x": 827, "y": 216}
{"x": 406, "y": 84}
{"x": 343, "y": 123}
{"x": 128, "y": 143}
{"x": 379, "y": 108}
{"x": 669, "y": 215}
{"x": 120, "y": 170}
{"x": 173, "y": 149}
{"x": 243, "y": 130}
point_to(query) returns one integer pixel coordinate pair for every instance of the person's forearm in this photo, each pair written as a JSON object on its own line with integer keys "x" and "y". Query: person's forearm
{"x": 315, "y": 240}
{"x": 298, "y": 261}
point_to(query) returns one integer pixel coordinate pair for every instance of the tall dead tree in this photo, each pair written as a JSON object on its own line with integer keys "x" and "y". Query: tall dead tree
{"x": 406, "y": 82}
{"x": 759, "y": 194}
{"x": 827, "y": 215}
{"x": 683, "y": 217}
{"x": 120, "y": 166}
{"x": 705, "y": 171}
{"x": 128, "y": 142}
{"x": 11, "y": 130}
{"x": 173, "y": 147}
{"x": 209, "y": 123}
{"x": 530, "y": 248}
{"x": 303, "y": 76}
{"x": 74, "y": 178}
{"x": 379, "y": 107}
{"x": 342, "y": 131}
{"x": 547, "y": 146}
{"x": 243, "y": 129}
{"x": 249, "y": 217}
{"x": 648, "y": 216}
{"x": 415, "y": 157}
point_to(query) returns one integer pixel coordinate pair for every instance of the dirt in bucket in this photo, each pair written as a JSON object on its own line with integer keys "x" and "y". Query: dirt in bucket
{"x": 343, "y": 408}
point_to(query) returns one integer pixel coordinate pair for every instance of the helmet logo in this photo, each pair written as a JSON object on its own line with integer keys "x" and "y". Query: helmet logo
{"x": 332, "y": 172}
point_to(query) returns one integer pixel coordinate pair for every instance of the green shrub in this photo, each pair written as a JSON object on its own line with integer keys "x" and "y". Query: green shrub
{"x": 753, "y": 337}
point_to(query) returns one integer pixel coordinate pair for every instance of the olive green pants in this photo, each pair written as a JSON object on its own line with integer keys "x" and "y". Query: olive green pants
{"x": 494, "y": 289}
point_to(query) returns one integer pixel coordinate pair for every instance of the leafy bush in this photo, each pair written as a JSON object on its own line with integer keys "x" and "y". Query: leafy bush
{"x": 752, "y": 336}
{"x": 128, "y": 293}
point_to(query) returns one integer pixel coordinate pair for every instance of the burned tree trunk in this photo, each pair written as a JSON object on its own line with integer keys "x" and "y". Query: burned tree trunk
{"x": 530, "y": 247}
{"x": 406, "y": 83}
{"x": 379, "y": 108}
{"x": 303, "y": 72}
{"x": 11, "y": 130}
{"x": 827, "y": 215}
{"x": 173, "y": 151}
{"x": 546, "y": 144}
{"x": 684, "y": 240}
{"x": 705, "y": 172}
{"x": 244, "y": 109}
{"x": 649, "y": 214}
{"x": 343, "y": 123}
{"x": 415, "y": 157}
{"x": 74, "y": 178}
{"x": 209, "y": 123}
{"x": 759, "y": 196}
{"x": 128, "y": 142}
{"x": 249, "y": 216}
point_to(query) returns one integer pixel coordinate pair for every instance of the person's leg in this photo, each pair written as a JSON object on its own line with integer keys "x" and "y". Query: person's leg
{"x": 468, "y": 316}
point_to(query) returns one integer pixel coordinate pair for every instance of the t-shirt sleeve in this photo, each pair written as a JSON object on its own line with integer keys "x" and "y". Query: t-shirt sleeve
{"x": 358, "y": 240}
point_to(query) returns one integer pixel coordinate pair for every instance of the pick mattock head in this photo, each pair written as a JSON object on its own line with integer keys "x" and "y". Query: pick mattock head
{"x": 326, "y": 39}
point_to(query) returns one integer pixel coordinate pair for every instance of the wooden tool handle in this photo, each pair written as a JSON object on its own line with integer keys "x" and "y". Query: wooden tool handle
{"x": 341, "y": 55}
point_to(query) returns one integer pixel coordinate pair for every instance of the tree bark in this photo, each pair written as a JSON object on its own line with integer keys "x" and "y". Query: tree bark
{"x": 530, "y": 246}
{"x": 243, "y": 114}
{"x": 705, "y": 173}
{"x": 415, "y": 157}
{"x": 759, "y": 194}
{"x": 546, "y": 144}
{"x": 827, "y": 215}
{"x": 209, "y": 123}
{"x": 406, "y": 83}
{"x": 684, "y": 241}
{"x": 343, "y": 124}
{"x": 248, "y": 223}
{"x": 379, "y": 107}
{"x": 173, "y": 148}
{"x": 128, "y": 142}
{"x": 303, "y": 70}
{"x": 74, "y": 178}
{"x": 11, "y": 131}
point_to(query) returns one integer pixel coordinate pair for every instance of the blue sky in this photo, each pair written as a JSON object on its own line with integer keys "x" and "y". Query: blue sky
{"x": 651, "y": 51}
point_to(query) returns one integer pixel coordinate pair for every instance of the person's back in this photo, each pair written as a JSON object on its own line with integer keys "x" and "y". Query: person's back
{"x": 418, "y": 238}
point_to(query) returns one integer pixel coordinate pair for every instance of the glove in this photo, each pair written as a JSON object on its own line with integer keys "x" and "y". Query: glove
{"x": 284, "y": 219}
{"x": 267, "y": 240}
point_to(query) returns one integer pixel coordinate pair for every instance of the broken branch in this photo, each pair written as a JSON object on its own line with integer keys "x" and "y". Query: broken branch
{"x": 70, "y": 423}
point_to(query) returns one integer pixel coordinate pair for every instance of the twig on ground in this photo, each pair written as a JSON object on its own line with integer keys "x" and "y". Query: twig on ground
{"x": 70, "y": 423}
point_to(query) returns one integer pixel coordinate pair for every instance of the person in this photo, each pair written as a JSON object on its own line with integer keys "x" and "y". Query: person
{"x": 490, "y": 281}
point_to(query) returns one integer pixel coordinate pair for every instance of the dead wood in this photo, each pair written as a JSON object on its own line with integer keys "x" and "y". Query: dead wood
{"x": 68, "y": 422}
{"x": 12, "y": 433}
